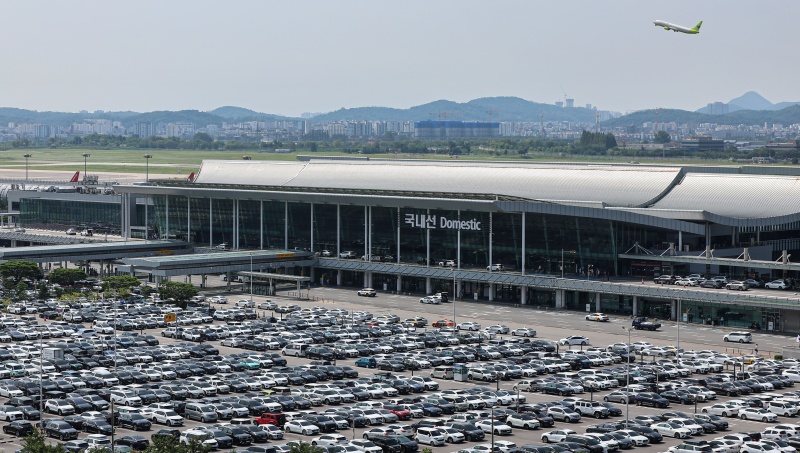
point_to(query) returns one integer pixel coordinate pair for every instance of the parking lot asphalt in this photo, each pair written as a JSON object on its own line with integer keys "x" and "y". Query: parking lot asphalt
{"x": 549, "y": 324}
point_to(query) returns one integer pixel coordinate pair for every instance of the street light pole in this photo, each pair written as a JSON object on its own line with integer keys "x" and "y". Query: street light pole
{"x": 85, "y": 157}
{"x": 453, "y": 270}
{"x": 26, "y": 156}
{"x": 147, "y": 158}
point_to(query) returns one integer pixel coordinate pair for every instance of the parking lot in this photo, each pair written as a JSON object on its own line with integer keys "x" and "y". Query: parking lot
{"x": 324, "y": 323}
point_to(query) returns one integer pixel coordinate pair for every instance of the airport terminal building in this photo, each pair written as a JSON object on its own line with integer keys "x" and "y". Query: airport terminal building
{"x": 578, "y": 236}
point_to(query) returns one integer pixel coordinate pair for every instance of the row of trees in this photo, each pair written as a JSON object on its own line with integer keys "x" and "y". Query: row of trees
{"x": 16, "y": 274}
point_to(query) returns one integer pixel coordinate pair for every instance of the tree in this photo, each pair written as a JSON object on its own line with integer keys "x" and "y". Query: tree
{"x": 20, "y": 269}
{"x": 119, "y": 282}
{"x": 305, "y": 447}
{"x": 66, "y": 277}
{"x": 170, "y": 445}
{"x": 35, "y": 443}
{"x": 662, "y": 137}
{"x": 180, "y": 292}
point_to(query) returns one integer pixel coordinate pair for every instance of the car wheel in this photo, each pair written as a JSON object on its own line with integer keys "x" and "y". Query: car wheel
{"x": 546, "y": 439}
{"x": 677, "y": 435}
{"x": 584, "y": 343}
{"x": 743, "y": 417}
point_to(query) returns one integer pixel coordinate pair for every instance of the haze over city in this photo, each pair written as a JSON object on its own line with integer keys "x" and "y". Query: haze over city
{"x": 318, "y": 56}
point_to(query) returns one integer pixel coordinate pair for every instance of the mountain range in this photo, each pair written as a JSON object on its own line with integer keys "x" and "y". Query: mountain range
{"x": 750, "y": 108}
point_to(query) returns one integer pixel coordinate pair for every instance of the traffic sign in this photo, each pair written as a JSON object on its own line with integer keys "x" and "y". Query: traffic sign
{"x": 170, "y": 317}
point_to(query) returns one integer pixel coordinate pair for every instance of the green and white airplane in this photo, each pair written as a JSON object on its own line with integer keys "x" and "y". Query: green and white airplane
{"x": 668, "y": 26}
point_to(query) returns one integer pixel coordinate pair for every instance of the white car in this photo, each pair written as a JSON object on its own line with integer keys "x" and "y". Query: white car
{"x": 430, "y": 300}
{"x": 667, "y": 429}
{"x": 329, "y": 439}
{"x": 494, "y": 267}
{"x": 430, "y": 436}
{"x": 523, "y": 332}
{"x": 498, "y": 428}
{"x": 754, "y": 413}
{"x": 498, "y": 328}
{"x": 556, "y": 435}
{"x": 776, "y": 284}
{"x": 637, "y": 438}
{"x": 367, "y": 292}
{"x": 366, "y": 446}
{"x": 524, "y": 421}
{"x": 757, "y": 447}
{"x": 602, "y": 317}
{"x": 301, "y": 426}
{"x": 574, "y": 340}
{"x": 739, "y": 337}
{"x": 469, "y": 325}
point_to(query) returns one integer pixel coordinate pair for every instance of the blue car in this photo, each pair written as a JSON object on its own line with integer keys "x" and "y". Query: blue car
{"x": 366, "y": 362}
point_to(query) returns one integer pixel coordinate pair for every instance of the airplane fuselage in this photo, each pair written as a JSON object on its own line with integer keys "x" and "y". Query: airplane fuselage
{"x": 677, "y": 28}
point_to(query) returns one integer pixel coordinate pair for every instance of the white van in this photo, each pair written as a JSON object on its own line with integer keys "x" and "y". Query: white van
{"x": 430, "y": 436}
{"x": 296, "y": 350}
{"x": 783, "y": 408}
{"x": 442, "y": 372}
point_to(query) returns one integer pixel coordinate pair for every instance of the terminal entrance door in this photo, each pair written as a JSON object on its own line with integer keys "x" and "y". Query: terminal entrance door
{"x": 770, "y": 319}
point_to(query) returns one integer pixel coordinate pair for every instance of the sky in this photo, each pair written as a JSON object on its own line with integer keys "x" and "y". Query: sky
{"x": 290, "y": 57}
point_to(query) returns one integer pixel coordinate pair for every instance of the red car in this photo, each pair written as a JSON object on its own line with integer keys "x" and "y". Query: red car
{"x": 402, "y": 414}
{"x": 269, "y": 418}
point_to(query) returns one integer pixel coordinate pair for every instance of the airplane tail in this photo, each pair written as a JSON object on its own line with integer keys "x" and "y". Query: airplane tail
{"x": 697, "y": 27}
{"x": 75, "y": 177}
{"x": 191, "y": 177}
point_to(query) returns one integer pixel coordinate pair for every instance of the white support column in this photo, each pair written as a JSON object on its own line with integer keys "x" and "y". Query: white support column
{"x": 523, "y": 244}
{"x": 369, "y": 234}
{"x": 188, "y": 219}
{"x": 312, "y": 228}
{"x": 285, "y": 225}
{"x": 339, "y": 277}
{"x": 235, "y": 235}
{"x": 146, "y": 225}
{"x": 635, "y": 306}
{"x": 458, "y": 247}
{"x": 523, "y": 295}
{"x": 399, "y": 284}
{"x": 674, "y": 309}
{"x": 338, "y": 234}
{"x": 680, "y": 241}
{"x": 211, "y": 225}
{"x": 458, "y": 289}
{"x": 166, "y": 217}
{"x": 397, "y": 257}
{"x": 491, "y": 259}
{"x": 560, "y": 298}
{"x": 366, "y": 234}
{"x": 366, "y": 279}
{"x": 369, "y": 279}
{"x": 261, "y": 226}
{"x": 491, "y": 291}
{"x": 596, "y": 301}
{"x": 428, "y": 286}
{"x": 427, "y": 246}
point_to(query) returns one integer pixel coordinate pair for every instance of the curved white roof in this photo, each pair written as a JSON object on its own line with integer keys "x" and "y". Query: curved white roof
{"x": 736, "y": 196}
{"x": 619, "y": 186}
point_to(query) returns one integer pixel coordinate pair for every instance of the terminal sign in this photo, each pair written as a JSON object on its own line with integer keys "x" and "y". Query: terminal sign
{"x": 170, "y": 317}
{"x": 432, "y": 222}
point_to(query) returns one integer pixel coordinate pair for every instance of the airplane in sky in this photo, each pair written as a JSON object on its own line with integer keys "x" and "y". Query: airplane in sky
{"x": 668, "y": 26}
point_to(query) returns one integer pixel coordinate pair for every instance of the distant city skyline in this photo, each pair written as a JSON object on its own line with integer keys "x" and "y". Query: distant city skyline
{"x": 319, "y": 56}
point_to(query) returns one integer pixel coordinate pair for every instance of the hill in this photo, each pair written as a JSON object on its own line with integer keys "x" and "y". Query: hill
{"x": 501, "y": 108}
{"x": 786, "y": 116}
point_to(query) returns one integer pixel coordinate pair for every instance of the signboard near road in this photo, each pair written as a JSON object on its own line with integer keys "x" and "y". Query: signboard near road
{"x": 170, "y": 317}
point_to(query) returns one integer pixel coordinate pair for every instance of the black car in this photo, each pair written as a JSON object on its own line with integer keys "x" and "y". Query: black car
{"x": 170, "y": 434}
{"x": 19, "y": 428}
{"x": 604, "y": 427}
{"x": 613, "y": 410}
{"x": 652, "y": 435}
{"x": 471, "y": 432}
{"x": 30, "y": 412}
{"x": 97, "y": 426}
{"x": 60, "y": 430}
{"x": 240, "y": 435}
{"x": 556, "y": 388}
{"x": 724, "y": 388}
{"x": 134, "y": 421}
{"x": 651, "y": 399}
{"x": 134, "y": 441}
{"x": 675, "y": 396}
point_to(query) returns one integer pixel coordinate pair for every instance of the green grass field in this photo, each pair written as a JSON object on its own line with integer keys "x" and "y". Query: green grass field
{"x": 186, "y": 161}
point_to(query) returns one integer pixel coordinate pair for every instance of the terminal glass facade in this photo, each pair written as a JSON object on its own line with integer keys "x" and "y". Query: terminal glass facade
{"x": 57, "y": 215}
